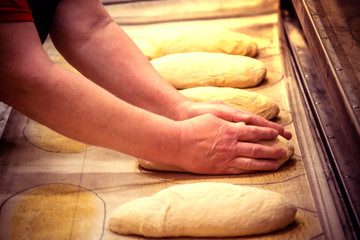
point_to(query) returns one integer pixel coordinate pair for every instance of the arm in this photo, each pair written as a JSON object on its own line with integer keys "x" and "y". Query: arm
{"x": 73, "y": 105}
{"x": 80, "y": 109}
{"x": 107, "y": 56}
{"x": 87, "y": 37}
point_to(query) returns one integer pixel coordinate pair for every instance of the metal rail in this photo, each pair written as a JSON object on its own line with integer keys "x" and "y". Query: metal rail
{"x": 325, "y": 97}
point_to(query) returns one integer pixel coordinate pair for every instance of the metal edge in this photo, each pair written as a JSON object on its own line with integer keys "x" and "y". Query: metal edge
{"x": 335, "y": 139}
{"x": 312, "y": 152}
{"x": 330, "y": 60}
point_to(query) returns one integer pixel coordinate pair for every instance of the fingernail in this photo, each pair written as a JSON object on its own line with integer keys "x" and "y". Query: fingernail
{"x": 288, "y": 135}
{"x": 245, "y": 116}
{"x": 276, "y": 165}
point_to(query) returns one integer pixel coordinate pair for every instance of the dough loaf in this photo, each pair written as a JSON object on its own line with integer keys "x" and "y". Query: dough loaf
{"x": 196, "y": 69}
{"x": 204, "y": 210}
{"x": 248, "y": 101}
{"x": 200, "y": 40}
{"x": 279, "y": 142}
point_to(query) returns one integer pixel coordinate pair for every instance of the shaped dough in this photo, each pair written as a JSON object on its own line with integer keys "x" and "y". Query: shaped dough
{"x": 197, "y": 69}
{"x": 279, "y": 142}
{"x": 200, "y": 40}
{"x": 204, "y": 210}
{"x": 248, "y": 101}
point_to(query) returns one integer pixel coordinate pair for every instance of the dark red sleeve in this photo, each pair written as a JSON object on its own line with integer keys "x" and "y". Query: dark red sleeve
{"x": 15, "y": 11}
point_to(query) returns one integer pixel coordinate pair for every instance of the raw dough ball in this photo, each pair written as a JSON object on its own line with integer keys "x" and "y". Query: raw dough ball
{"x": 248, "y": 101}
{"x": 204, "y": 210}
{"x": 49, "y": 140}
{"x": 201, "y": 40}
{"x": 279, "y": 142}
{"x": 187, "y": 70}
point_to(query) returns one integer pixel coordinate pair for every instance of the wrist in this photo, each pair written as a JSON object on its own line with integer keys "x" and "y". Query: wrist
{"x": 165, "y": 146}
{"x": 180, "y": 110}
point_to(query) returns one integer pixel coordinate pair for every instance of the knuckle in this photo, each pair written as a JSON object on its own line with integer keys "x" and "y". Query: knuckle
{"x": 255, "y": 150}
{"x": 247, "y": 163}
{"x": 252, "y": 131}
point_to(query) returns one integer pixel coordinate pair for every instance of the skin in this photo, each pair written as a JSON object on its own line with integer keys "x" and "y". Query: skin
{"x": 121, "y": 102}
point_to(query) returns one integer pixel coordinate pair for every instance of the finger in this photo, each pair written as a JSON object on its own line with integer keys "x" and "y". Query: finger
{"x": 229, "y": 113}
{"x": 255, "y": 133}
{"x": 260, "y": 121}
{"x": 254, "y": 150}
{"x": 237, "y": 115}
{"x": 236, "y": 171}
{"x": 286, "y": 134}
{"x": 243, "y": 164}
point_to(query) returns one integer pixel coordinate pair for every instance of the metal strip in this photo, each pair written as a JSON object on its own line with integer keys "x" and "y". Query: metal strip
{"x": 321, "y": 180}
{"x": 326, "y": 98}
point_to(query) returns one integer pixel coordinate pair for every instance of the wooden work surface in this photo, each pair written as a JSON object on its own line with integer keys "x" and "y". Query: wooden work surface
{"x": 114, "y": 178}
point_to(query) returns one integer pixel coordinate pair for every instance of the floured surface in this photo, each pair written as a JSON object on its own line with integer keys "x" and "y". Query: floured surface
{"x": 116, "y": 178}
{"x": 53, "y": 211}
{"x": 49, "y": 140}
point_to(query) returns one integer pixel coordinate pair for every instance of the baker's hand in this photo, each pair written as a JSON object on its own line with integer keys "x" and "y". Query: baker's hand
{"x": 210, "y": 145}
{"x": 189, "y": 109}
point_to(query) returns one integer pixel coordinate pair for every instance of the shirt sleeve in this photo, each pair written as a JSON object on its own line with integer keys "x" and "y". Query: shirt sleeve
{"x": 15, "y": 11}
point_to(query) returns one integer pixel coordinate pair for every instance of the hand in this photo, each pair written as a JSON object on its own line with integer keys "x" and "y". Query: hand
{"x": 210, "y": 145}
{"x": 227, "y": 112}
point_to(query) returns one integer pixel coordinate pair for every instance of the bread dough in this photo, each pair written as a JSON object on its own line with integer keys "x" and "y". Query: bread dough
{"x": 200, "y": 40}
{"x": 204, "y": 210}
{"x": 52, "y": 211}
{"x": 283, "y": 143}
{"x": 279, "y": 142}
{"x": 187, "y": 70}
{"x": 248, "y": 101}
{"x": 49, "y": 140}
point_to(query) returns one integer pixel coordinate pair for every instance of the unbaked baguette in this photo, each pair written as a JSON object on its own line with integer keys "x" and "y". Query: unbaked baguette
{"x": 204, "y": 210}
{"x": 253, "y": 102}
{"x": 197, "y": 69}
{"x": 200, "y": 40}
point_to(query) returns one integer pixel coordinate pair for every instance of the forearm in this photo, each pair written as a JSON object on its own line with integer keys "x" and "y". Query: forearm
{"x": 107, "y": 56}
{"x": 79, "y": 109}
